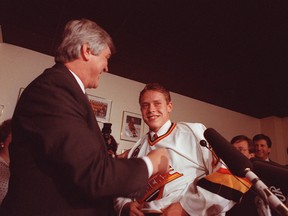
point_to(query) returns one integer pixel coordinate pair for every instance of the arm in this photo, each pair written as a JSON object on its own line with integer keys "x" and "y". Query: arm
{"x": 55, "y": 117}
{"x": 205, "y": 195}
{"x": 216, "y": 193}
{"x": 157, "y": 158}
{"x": 125, "y": 206}
{"x": 132, "y": 208}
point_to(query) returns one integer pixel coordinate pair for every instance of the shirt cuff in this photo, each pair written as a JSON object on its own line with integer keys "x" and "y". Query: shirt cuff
{"x": 149, "y": 165}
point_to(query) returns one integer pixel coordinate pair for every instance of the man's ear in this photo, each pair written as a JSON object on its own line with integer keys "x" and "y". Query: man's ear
{"x": 170, "y": 107}
{"x": 85, "y": 52}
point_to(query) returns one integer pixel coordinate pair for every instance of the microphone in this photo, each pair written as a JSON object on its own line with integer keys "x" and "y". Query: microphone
{"x": 266, "y": 194}
{"x": 276, "y": 173}
{"x": 241, "y": 166}
{"x": 203, "y": 143}
{"x": 234, "y": 159}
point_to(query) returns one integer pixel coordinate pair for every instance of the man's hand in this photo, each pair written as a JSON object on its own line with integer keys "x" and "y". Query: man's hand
{"x": 174, "y": 209}
{"x": 132, "y": 209}
{"x": 124, "y": 154}
{"x": 160, "y": 160}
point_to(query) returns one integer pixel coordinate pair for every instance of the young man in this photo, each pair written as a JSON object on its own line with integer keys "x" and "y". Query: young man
{"x": 243, "y": 144}
{"x": 59, "y": 160}
{"x": 175, "y": 192}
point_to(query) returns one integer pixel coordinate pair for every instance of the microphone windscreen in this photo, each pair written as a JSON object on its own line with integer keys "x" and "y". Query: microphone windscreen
{"x": 275, "y": 174}
{"x": 234, "y": 159}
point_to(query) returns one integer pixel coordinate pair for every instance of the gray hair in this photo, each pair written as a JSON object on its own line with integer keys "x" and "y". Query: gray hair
{"x": 76, "y": 34}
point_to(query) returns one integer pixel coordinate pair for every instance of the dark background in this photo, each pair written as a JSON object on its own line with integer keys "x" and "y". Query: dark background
{"x": 232, "y": 54}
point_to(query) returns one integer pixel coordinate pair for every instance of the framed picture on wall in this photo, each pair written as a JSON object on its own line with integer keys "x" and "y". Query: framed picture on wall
{"x": 101, "y": 108}
{"x": 132, "y": 126}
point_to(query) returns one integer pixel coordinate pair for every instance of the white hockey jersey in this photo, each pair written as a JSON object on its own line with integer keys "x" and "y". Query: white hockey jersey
{"x": 189, "y": 163}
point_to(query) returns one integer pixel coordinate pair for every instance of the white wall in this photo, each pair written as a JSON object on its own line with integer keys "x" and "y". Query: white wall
{"x": 277, "y": 129}
{"x": 226, "y": 122}
{"x": 20, "y": 66}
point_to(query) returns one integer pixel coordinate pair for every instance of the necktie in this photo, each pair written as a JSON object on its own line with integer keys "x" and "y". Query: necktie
{"x": 155, "y": 136}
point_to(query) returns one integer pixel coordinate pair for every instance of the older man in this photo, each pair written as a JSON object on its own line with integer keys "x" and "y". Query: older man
{"x": 59, "y": 161}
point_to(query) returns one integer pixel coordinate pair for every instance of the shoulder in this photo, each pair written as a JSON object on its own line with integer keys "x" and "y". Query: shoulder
{"x": 190, "y": 129}
{"x": 58, "y": 71}
{"x": 275, "y": 163}
{"x": 55, "y": 79}
{"x": 191, "y": 126}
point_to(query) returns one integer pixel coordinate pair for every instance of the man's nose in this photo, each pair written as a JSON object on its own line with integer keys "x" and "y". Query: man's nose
{"x": 151, "y": 107}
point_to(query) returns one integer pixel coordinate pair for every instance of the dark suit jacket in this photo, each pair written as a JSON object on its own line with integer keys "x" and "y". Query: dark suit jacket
{"x": 59, "y": 161}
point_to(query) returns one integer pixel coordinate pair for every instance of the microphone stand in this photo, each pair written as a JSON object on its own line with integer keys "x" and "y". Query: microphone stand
{"x": 265, "y": 193}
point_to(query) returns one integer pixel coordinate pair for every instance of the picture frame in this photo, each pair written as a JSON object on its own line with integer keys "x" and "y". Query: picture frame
{"x": 101, "y": 108}
{"x": 132, "y": 126}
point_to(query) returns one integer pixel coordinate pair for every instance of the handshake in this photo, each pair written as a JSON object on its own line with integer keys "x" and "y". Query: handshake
{"x": 160, "y": 160}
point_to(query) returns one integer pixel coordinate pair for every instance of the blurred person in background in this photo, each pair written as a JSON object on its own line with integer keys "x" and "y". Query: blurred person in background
{"x": 5, "y": 140}
{"x": 263, "y": 145}
{"x": 243, "y": 144}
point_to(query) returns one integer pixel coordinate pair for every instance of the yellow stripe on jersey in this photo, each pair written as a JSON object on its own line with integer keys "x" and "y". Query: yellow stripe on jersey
{"x": 224, "y": 177}
{"x": 223, "y": 183}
